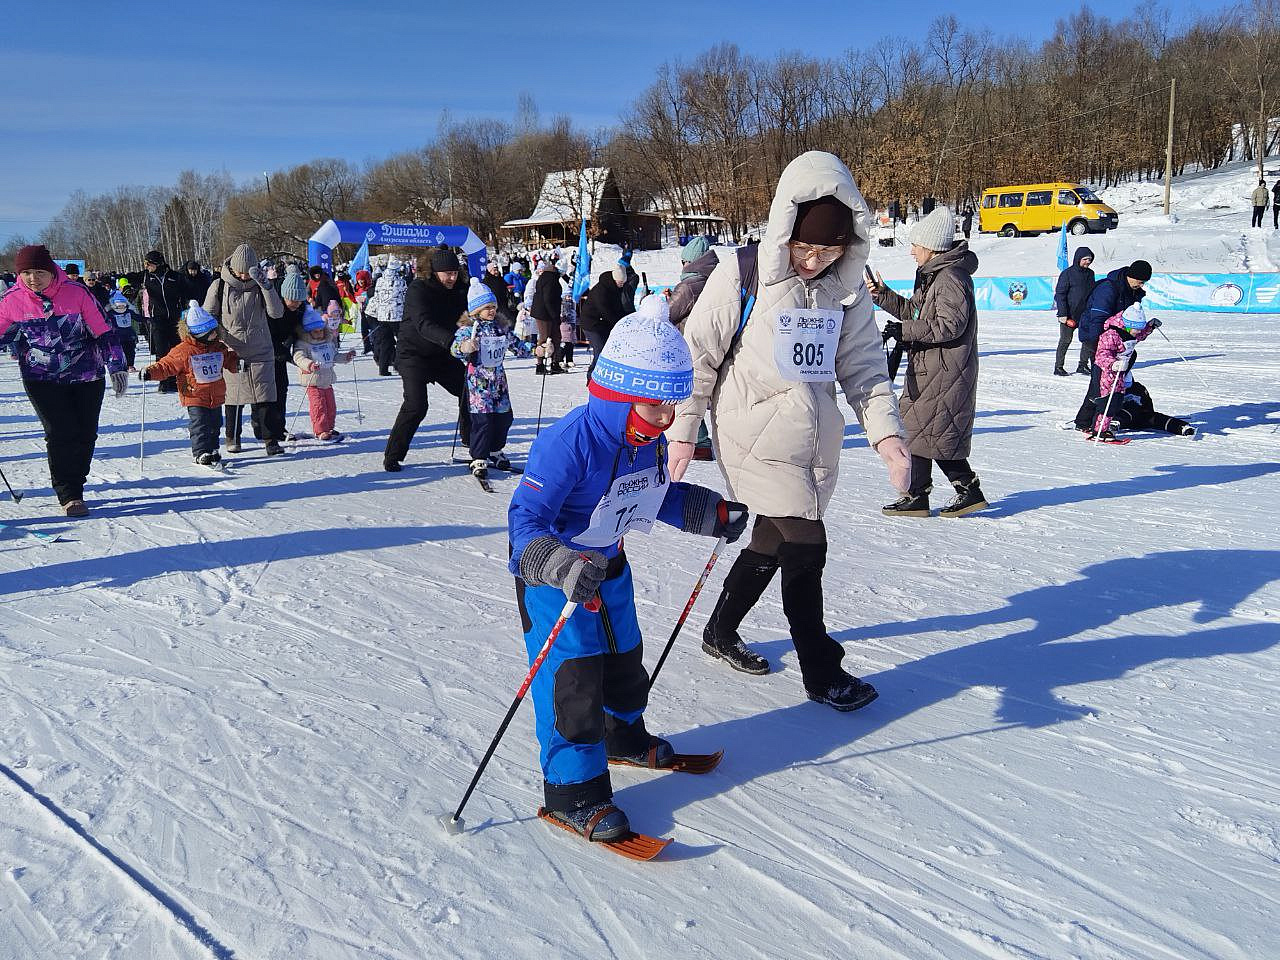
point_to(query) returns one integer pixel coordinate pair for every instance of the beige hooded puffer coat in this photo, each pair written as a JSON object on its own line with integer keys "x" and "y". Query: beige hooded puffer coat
{"x": 778, "y": 442}
{"x": 243, "y": 307}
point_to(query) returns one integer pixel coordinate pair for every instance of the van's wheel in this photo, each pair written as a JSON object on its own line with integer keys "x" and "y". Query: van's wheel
{"x": 1078, "y": 228}
{"x": 1008, "y": 230}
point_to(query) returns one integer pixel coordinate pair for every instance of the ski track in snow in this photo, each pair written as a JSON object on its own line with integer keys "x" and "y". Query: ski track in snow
{"x": 260, "y": 688}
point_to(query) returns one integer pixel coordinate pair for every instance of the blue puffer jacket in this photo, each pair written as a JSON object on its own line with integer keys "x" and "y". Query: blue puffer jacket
{"x": 1111, "y": 296}
{"x": 570, "y": 468}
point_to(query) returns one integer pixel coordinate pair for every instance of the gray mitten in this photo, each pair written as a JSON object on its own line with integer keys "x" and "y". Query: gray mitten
{"x": 546, "y": 561}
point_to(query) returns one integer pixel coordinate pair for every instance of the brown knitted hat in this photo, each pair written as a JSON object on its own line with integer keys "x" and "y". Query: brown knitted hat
{"x": 825, "y": 222}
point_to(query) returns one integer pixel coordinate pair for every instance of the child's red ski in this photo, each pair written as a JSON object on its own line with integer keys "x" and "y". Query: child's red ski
{"x": 1113, "y": 441}
{"x": 681, "y": 763}
{"x": 633, "y": 846}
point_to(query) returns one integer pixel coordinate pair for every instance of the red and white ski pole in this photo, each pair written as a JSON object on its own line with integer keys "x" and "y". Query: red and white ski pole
{"x": 454, "y": 824}
{"x": 693, "y": 598}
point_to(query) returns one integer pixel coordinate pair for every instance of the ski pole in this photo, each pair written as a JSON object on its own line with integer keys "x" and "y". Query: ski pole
{"x": 541, "y": 393}
{"x": 454, "y": 824}
{"x": 355, "y": 383}
{"x": 17, "y": 497}
{"x": 454, "y": 446}
{"x": 1119, "y": 380}
{"x": 293, "y": 437}
{"x": 693, "y": 598}
{"x": 1184, "y": 359}
{"x": 142, "y": 436}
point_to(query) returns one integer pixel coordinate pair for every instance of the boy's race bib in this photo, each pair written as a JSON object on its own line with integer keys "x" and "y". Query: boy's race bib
{"x": 207, "y": 367}
{"x": 492, "y": 350}
{"x": 632, "y": 503}
{"x": 804, "y": 344}
{"x": 123, "y": 320}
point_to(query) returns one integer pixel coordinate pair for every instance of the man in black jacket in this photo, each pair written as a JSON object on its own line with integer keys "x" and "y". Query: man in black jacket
{"x": 601, "y": 310}
{"x": 197, "y": 280}
{"x": 546, "y": 311}
{"x": 165, "y": 302}
{"x": 1071, "y": 297}
{"x": 432, "y": 305}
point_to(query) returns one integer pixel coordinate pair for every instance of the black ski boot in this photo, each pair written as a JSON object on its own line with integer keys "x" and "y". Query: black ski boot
{"x": 909, "y": 505}
{"x": 586, "y": 808}
{"x": 968, "y": 499}
{"x": 1059, "y": 372}
{"x": 747, "y": 580}
{"x": 480, "y": 469}
{"x": 657, "y": 756}
{"x": 845, "y": 694}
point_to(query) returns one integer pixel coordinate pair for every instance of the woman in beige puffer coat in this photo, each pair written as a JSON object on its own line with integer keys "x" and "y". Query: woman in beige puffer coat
{"x": 243, "y": 298}
{"x": 777, "y": 429}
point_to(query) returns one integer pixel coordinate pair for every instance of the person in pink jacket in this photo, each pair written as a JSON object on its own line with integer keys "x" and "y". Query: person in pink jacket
{"x": 1115, "y": 358}
{"x": 62, "y": 341}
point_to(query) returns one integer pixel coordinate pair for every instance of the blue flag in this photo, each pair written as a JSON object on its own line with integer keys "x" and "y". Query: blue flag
{"x": 361, "y": 260}
{"x": 1063, "y": 260}
{"x": 582, "y": 276}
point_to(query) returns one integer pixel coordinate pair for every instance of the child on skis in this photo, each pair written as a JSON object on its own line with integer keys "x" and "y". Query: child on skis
{"x": 315, "y": 353}
{"x": 482, "y": 342}
{"x": 1115, "y": 357}
{"x": 592, "y": 477}
{"x": 197, "y": 363}
{"x": 121, "y": 313}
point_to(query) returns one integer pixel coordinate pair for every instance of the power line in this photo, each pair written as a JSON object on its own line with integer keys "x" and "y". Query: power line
{"x": 1040, "y": 126}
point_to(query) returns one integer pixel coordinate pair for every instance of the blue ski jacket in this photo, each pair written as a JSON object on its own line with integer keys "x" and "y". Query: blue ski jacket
{"x": 571, "y": 466}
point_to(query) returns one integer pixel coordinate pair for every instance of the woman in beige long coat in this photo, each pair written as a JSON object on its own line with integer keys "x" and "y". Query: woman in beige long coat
{"x": 938, "y": 325}
{"x": 243, "y": 298}
{"x": 777, "y": 429}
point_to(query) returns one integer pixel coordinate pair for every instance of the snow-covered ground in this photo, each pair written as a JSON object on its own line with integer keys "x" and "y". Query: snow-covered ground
{"x": 244, "y": 699}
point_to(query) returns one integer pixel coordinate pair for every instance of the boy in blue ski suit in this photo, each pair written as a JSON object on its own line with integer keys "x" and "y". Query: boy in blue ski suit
{"x": 596, "y": 474}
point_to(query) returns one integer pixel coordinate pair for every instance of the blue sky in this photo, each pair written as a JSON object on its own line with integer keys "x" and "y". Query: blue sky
{"x": 116, "y": 93}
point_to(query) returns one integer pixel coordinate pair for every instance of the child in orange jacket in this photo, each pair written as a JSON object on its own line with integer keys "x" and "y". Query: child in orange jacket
{"x": 197, "y": 363}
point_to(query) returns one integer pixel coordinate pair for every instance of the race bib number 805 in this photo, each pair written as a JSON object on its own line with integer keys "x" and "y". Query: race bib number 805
{"x": 805, "y": 343}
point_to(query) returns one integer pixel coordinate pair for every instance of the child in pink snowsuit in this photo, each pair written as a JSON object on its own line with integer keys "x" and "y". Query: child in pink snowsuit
{"x": 315, "y": 353}
{"x": 1115, "y": 358}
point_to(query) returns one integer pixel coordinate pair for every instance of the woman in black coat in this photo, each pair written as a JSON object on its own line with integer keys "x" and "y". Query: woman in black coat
{"x": 546, "y": 311}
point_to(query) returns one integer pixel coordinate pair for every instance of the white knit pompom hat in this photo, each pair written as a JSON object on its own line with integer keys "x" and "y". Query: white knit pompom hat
{"x": 645, "y": 360}
{"x": 937, "y": 231}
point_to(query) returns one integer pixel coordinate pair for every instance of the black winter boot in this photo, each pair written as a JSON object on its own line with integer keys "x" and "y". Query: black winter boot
{"x": 586, "y": 808}
{"x": 909, "y": 505}
{"x": 818, "y": 652}
{"x": 747, "y": 580}
{"x": 968, "y": 498}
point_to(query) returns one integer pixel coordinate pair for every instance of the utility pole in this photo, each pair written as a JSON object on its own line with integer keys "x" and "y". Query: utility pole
{"x": 1168, "y": 149}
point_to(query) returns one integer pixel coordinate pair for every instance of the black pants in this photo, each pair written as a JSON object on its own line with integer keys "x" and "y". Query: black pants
{"x": 597, "y": 339}
{"x": 488, "y": 433}
{"x": 129, "y": 344}
{"x": 205, "y": 423}
{"x": 163, "y": 337}
{"x": 69, "y": 414}
{"x": 383, "y": 340}
{"x": 282, "y": 401}
{"x": 1085, "y": 415}
{"x": 266, "y": 418}
{"x": 1065, "y": 336}
{"x": 956, "y": 471}
{"x": 799, "y": 547}
{"x": 416, "y": 371}
{"x": 1257, "y": 216}
{"x": 1275, "y": 216}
